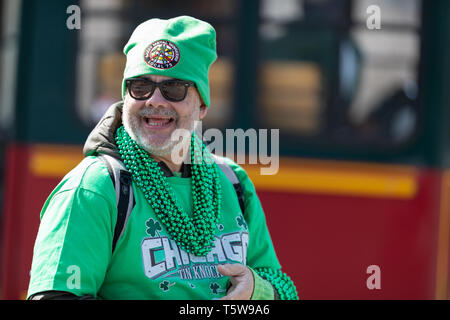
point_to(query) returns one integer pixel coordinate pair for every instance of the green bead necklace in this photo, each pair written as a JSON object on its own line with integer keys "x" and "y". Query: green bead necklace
{"x": 282, "y": 283}
{"x": 194, "y": 235}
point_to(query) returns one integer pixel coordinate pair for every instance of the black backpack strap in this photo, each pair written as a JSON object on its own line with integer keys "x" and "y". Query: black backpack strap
{"x": 231, "y": 175}
{"x": 121, "y": 179}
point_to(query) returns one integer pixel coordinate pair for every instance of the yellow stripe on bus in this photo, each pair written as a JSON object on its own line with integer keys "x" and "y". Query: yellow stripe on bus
{"x": 54, "y": 161}
{"x": 294, "y": 175}
{"x": 328, "y": 177}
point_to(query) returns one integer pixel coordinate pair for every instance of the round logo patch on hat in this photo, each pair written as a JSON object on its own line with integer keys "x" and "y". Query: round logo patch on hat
{"x": 162, "y": 54}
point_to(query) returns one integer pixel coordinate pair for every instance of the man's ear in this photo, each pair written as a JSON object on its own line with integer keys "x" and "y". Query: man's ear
{"x": 203, "y": 111}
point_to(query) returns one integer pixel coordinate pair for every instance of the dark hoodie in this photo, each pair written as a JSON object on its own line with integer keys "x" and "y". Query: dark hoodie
{"x": 101, "y": 139}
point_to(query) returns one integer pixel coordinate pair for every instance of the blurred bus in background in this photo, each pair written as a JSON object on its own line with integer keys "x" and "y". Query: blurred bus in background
{"x": 362, "y": 112}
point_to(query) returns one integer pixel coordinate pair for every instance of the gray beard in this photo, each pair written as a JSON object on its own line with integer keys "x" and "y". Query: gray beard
{"x": 133, "y": 129}
{"x": 135, "y": 134}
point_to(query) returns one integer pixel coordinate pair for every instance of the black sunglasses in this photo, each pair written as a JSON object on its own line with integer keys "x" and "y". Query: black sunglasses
{"x": 174, "y": 90}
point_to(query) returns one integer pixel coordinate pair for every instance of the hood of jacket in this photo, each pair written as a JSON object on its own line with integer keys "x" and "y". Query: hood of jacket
{"x": 101, "y": 138}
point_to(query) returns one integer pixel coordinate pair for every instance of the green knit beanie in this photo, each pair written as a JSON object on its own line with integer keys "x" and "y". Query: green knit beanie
{"x": 181, "y": 47}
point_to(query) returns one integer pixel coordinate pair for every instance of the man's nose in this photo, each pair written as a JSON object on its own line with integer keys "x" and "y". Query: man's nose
{"x": 156, "y": 99}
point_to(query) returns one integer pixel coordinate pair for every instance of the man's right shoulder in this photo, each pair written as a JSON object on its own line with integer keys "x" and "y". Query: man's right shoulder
{"x": 90, "y": 174}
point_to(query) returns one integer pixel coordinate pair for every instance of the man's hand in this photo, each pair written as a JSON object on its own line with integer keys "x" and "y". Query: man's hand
{"x": 241, "y": 279}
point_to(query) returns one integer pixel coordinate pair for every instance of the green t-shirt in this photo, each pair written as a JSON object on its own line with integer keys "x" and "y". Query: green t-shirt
{"x": 73, "y": 249}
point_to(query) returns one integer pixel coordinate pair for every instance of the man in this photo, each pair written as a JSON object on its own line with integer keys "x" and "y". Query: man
{"x": 185, "y": 236}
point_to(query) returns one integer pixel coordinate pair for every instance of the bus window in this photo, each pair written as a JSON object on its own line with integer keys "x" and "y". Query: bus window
{"x": 291, "y": 96}
{"x": 9, "y": 19}
{"x": 298, "y": 68}
{"x": 385, "y": 107}
{"x": 326, "y": 75}
{"x": 221, "y": 77}
{"x": 100, "y": 63}
{"x": 106, "y": 27}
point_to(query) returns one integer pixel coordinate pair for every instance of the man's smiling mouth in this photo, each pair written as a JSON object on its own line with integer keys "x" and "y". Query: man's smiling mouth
{"x": 158, "y": 121}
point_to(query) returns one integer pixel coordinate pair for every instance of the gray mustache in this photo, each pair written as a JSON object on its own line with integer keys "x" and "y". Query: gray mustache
{"x": 158, "y": 112}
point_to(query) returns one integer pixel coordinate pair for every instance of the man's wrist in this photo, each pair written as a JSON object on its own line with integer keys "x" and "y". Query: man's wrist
{"x": 262, "y": 289}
